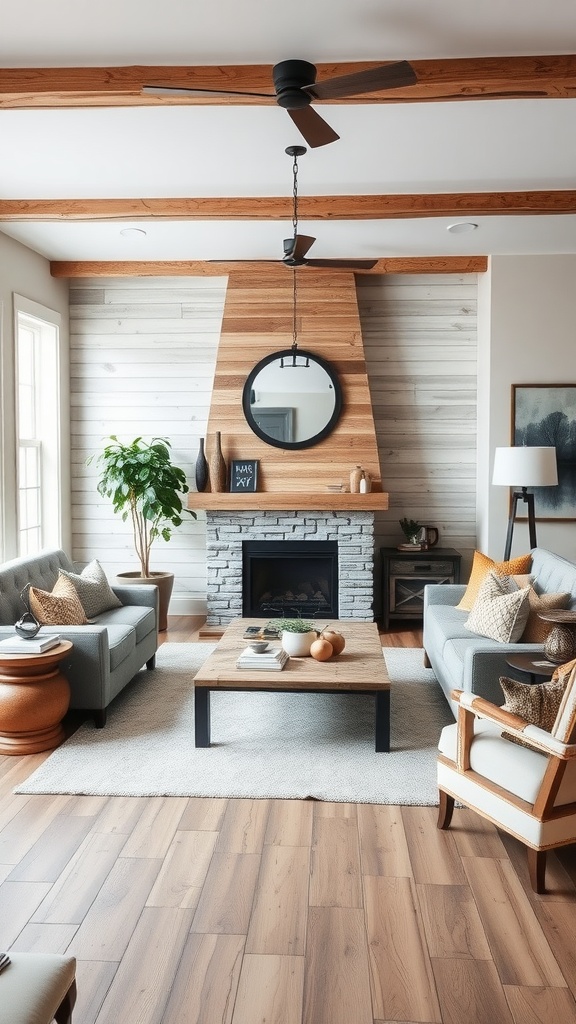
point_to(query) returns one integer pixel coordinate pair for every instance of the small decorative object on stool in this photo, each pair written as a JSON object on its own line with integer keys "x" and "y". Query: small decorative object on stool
{"x": 27, "y": 625}
{"x": 560, "y": 645}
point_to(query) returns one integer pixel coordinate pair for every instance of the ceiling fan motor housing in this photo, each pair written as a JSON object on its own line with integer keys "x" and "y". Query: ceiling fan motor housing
{"x": 290, "y": 78}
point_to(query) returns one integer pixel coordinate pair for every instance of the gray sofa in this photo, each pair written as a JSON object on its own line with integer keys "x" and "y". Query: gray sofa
{"x": 462, "y": 660}
{"x": 108, "y": 652}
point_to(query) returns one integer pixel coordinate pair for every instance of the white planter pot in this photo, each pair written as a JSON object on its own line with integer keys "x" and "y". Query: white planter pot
{"x": 298, "y": 645}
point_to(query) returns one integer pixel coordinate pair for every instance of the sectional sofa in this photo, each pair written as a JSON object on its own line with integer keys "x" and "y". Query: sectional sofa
{"x": 109, "y": 651}
{"x": 462, "y": 660}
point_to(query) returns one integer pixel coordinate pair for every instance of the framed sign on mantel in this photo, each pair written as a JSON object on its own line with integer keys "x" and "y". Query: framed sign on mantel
{"x": 545, "y": 415}
{"x": 243, "y": 476}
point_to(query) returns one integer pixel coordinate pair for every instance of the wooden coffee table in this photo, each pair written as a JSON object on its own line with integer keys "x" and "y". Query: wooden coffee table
{"x": 359, "y": 669}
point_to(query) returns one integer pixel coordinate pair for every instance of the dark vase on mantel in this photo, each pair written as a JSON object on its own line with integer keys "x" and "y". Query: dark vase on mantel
{"x": 201, "y": 468}
{"x": 217, "y": 465}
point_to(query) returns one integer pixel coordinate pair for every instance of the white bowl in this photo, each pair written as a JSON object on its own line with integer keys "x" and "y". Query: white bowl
{"x": 259, "y": 646}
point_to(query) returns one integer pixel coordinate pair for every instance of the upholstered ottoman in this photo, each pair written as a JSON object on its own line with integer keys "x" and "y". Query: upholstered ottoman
{"x": 37, "y": 988}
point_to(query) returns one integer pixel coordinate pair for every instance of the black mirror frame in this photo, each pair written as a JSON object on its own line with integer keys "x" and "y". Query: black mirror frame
{"x": 288, "y": 353}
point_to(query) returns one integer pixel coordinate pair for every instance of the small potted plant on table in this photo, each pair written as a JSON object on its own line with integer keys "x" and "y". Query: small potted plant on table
{"x": 297, "y": 636}
{"x": 411, "y": 530}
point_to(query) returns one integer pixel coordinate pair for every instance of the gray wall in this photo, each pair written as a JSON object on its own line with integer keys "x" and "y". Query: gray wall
{"x": 26, "y": 273}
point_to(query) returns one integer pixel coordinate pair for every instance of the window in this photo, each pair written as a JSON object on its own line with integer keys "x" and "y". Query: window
{"x": 37, "y": 415}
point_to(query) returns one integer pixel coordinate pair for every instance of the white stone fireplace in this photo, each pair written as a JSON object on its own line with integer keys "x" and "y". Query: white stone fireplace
{"x": 226, "y": 530}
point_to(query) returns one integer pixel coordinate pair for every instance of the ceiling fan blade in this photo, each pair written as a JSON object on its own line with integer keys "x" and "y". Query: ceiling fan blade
{"x": 387, "y": 76}
{"x": 177, "y": 90}
{"x": 302, "y": 243}
{"x": 314, "y": 129}
{"x": 343, "y": 264}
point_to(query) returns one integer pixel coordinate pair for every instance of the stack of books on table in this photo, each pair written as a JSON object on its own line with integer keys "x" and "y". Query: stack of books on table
{"x": 272, "y": 660}
{"x": 35, "y": 645}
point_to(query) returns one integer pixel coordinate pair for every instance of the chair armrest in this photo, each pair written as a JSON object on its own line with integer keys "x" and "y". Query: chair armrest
{"x": 478, "y": 707}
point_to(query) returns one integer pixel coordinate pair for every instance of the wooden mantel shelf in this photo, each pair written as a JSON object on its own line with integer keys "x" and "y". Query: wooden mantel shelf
{"x": 278, "y": 501}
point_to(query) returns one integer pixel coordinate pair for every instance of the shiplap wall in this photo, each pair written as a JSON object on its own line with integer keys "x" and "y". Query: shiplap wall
{"x": 143, "y": 353}
{"x": 420, "y": 345}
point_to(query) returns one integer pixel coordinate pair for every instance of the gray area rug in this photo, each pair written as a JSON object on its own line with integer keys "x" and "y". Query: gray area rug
{"x": 263, "y": 744}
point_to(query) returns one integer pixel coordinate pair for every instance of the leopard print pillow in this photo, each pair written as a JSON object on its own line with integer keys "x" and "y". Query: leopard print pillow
{"x": 537, "y": 703}
{"x": 62, "y": 607}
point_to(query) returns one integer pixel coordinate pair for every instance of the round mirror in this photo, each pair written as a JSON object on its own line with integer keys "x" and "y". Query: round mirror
{"x": 292, "y": 399}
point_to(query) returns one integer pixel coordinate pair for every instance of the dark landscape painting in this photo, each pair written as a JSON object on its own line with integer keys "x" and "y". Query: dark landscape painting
{"x": 546, "y": 415}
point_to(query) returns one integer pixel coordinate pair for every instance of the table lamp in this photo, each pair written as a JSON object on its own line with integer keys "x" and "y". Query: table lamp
{"x": 521, "y": 468}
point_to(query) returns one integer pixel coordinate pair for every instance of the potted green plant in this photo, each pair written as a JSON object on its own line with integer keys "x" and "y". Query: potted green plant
{"x": 297, "y": 635}
{"x": 411, "y": 530}
{"x": 146, "y": 488}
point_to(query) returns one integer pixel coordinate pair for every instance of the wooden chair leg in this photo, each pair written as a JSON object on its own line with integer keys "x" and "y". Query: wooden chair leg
{"x": 427, "y": 663}
{"x": 537, "y": 869}
{"x": 445, "y": 809}
{"x": 63, "y": 1014}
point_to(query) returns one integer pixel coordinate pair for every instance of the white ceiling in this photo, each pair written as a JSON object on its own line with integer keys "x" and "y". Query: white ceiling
{"x": 188, "y": 151}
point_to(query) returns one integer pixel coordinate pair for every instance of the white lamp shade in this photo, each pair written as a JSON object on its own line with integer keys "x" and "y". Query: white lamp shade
{"x": 525, "y": 467}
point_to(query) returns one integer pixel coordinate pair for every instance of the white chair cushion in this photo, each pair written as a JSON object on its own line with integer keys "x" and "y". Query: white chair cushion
{"x": 33, "y": 985}
{"x": 517, "y": 769}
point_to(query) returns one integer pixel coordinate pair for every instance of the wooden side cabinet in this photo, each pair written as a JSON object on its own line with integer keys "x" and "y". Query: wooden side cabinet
{"x": 406, "y": 573}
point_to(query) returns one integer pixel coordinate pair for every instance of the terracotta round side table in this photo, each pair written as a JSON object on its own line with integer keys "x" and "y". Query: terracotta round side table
{"x": 34, "y": 697}
{"x": 560, "y": 645}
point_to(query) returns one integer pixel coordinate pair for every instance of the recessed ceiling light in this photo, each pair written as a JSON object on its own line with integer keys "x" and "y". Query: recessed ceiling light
{"x": 133, "y": 232}
{"x": 462, "y": 228}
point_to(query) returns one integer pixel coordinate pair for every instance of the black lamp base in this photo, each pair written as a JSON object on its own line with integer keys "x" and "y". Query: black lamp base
{"x": 529, "y": 499}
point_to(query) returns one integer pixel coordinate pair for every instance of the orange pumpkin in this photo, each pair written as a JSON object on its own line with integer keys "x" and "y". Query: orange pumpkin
{"x": 321, "y": 649}
{"x": 335, "y": 638}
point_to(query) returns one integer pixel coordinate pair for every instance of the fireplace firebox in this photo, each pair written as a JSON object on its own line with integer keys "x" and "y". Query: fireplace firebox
{"x": 289, "y": 578}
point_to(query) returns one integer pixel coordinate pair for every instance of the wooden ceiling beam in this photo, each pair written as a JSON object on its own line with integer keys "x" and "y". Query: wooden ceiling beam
{"x": 380, "y": 207}
{"x": 464, "y": 78}
{"x": 197, "y": 268}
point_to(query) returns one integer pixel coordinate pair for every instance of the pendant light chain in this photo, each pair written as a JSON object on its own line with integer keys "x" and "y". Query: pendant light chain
{"x": 294, "y": 329}
{"x": 295, "y": 227}
{"x": 295, "y": 195}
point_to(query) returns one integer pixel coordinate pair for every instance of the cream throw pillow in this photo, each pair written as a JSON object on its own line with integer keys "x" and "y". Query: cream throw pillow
{"x": 93, "y": 589}
{"x": 497, "y": 613}
{"x": 60, "y": 608}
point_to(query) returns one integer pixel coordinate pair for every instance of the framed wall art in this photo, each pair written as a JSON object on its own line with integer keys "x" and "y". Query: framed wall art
{"x": 545, "y": 415}
{"x": 243, "y": 475}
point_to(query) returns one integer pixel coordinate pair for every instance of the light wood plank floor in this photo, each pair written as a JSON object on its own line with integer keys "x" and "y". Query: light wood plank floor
{"x": 190, "y": 911}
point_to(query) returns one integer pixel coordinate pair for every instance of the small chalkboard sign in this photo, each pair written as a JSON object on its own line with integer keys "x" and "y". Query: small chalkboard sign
{"x": 243, "y": 475}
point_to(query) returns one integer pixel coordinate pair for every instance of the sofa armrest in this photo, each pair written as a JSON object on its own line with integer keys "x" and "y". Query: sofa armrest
{"x": 484, "y": 665}
{"x": 145, "y": 594}
{"x": 443, "y": 593}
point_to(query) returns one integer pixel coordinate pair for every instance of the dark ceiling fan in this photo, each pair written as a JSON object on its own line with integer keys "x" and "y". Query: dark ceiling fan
{"x": 295, "y": 88}
{"x": 296, "y": 248}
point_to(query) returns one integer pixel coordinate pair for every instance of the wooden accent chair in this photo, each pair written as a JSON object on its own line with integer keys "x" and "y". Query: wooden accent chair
{"x": 528, "y": 791}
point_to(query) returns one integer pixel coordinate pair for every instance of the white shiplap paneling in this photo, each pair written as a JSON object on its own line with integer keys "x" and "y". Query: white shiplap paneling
{"x": 420, "y": 343}
{"x": 143, "y": 353}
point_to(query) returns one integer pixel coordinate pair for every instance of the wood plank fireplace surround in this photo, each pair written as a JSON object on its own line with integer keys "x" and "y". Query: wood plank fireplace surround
{"x": 293, "y": 503}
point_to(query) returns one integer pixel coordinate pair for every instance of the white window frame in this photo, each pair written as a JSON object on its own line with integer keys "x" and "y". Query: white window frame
{"x": 53, "y": 421}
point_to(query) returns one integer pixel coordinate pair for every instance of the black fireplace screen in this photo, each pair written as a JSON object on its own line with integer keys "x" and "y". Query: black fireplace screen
{"x": 289, "y": 578}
